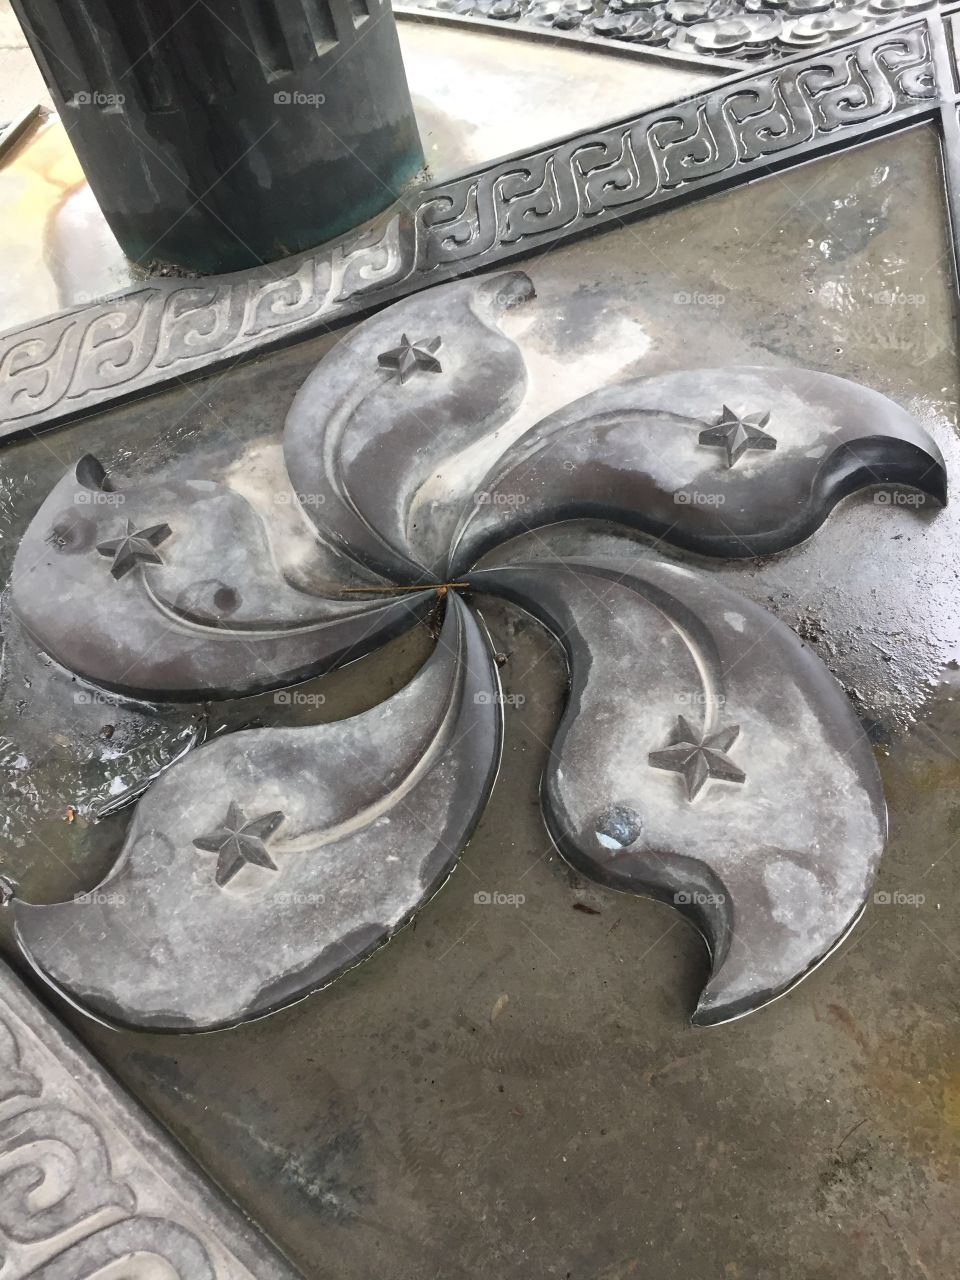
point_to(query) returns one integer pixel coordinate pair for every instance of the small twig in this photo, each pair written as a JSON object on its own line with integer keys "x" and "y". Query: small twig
{"x": 441, "y": 587}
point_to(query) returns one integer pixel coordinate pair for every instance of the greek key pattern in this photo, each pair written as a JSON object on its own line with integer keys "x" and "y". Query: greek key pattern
{"x": 652, "y": 160}
{"x": 84, "y": 1185}
{"x": 83, "y": 359}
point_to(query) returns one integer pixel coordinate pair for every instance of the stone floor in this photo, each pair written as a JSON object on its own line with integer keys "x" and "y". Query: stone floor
{"x": 514, "y": 1091}
{"x": 21, "y": 84}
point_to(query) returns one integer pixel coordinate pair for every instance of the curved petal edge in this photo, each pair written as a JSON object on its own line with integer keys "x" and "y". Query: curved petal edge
{"x": 708, "y": 759}
{"x": 276, "y": 859}
{"x": 735, "y": 462}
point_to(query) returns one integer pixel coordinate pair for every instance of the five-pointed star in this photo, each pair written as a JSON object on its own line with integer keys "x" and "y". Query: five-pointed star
{"x": 239, "y": 841}
{"x": 134, "y": 547}
{"x": 737, "y": 434}
{"x": 699, "y": 758}
{"x": 410, "y": 356}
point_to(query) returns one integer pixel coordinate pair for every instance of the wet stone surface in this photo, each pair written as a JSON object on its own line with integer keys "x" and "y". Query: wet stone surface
{"x": 748, "y": 30}
{"x": 512, "y": 1086}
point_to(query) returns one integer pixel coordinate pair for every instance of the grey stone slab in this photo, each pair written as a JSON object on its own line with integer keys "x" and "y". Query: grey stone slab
{"x": 89, "y": 1185}
{"x": 266, "y": 864}
{"x": 368, "y": 1123}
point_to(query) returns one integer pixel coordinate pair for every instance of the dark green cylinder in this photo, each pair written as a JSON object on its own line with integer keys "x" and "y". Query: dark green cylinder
{"x": 222, "y": 134}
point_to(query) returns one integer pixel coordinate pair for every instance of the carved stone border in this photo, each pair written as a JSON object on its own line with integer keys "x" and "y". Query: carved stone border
{"x": 82, "y": 360}
{"x": 86, "y": 1178}
{"x": 576, "y": 39}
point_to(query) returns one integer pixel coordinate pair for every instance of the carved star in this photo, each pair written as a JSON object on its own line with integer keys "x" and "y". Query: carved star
{"x": 238, "y": 841}
{"x": 737, "y": 434}
{"x": 136, "y": 546}
{"x": 410, "y": 356}
{"x": 699, "y": 758}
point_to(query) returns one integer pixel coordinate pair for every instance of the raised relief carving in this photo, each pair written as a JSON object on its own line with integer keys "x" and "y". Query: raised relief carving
{"x": 54, "y": 1174}
{"x": 284, "y": 894}
{"x": 700, "y": 139}
{"x": 14, "y": 1081}
{"x": 142, "y": 1248}
{"x": 141, "y": 340}
{"x": 88, "y": 1189}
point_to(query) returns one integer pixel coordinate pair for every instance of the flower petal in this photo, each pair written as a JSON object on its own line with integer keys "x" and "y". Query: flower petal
{"x": 384, "y": 461}
{"x": 376, "y": 810}
{"x": 772, "y": 853}
{"x": 214, "y": 618}
{"x": 634, "y": 452}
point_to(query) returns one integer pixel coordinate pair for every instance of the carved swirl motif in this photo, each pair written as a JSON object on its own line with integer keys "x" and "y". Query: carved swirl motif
{"x": 60, "y": 1173}
{"x": 144, "y": 1248}
{"x": 90, "y": 355}
{"x": 142, "y": 338}
{"x": 13, "y": 1081}
{"x": 54, "y": 1174}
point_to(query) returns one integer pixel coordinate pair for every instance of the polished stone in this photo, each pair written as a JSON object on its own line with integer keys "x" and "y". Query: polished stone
{"x": 669, "y": 456}
{"x": 384, "y": 445}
